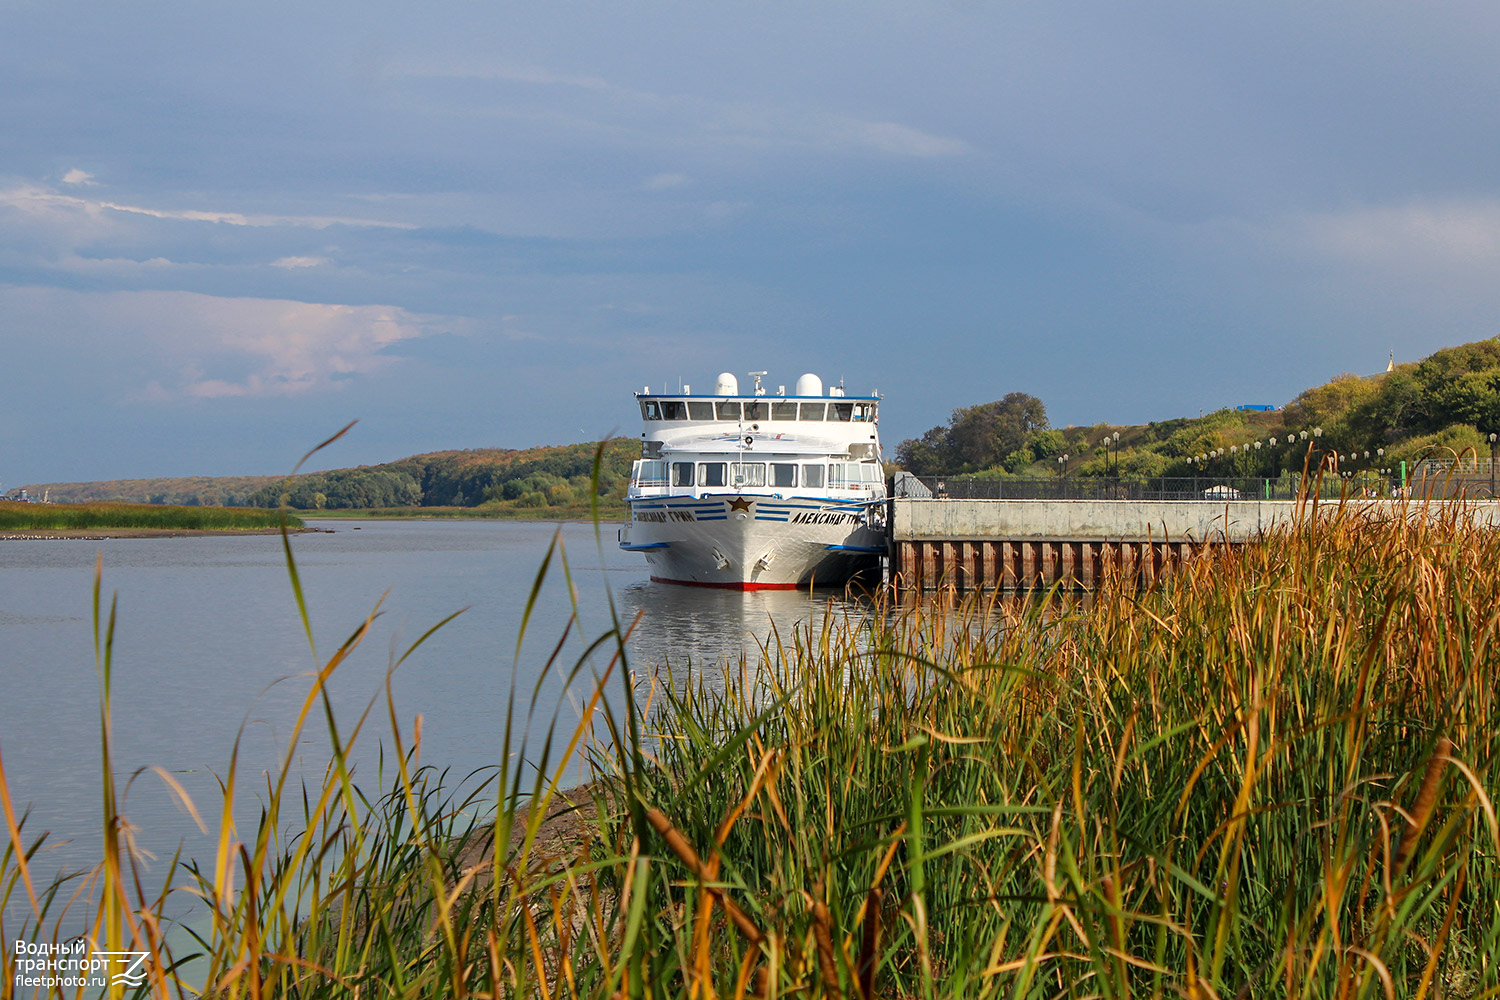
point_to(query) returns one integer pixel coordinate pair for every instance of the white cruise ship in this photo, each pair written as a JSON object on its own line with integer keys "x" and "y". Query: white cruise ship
{"x": 753, "y": 491}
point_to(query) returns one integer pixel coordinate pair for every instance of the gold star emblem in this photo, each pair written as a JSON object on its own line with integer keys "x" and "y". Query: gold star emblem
{"x": 739, "y": 503}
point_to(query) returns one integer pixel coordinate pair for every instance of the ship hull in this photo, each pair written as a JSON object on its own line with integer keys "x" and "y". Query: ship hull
{"x": 753, "y": 543}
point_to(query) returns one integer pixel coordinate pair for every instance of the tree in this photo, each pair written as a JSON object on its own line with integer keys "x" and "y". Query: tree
{"x": 976, "y": 437}
{"x": 927, "y": 455}
{"x": 982, "y": 435}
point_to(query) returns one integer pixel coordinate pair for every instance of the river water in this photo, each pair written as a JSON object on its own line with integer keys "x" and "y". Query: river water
{"x": 209, "y": 646}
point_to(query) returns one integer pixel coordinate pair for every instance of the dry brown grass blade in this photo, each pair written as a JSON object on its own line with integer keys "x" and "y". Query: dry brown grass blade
{"x": 14, "y": 829}
{"x": 1421, "y": 811}
{"x": 761, "y": 769}
{"x": 869, "y": 945}
{"x": 1455, "y": 895}
{"x": 823, "y": 935}
{"x": 689, "y": 857}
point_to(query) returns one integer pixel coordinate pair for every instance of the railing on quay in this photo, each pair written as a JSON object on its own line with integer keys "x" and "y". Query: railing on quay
{"x": 1468, "y": 465}
{"x": 1207, "y": 488}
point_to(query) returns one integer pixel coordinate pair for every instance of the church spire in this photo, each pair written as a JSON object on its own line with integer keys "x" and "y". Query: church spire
{"x": 1391, "y": 365}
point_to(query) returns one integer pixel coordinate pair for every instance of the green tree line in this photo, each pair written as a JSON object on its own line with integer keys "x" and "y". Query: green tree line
{"x": 537, "y": 477}
{"x": 1441, "y": 406}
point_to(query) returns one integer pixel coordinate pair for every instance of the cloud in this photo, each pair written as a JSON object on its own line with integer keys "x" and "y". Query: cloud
{"x": 662, "y": 182}
{"x": 37, "y": 200}
{"x": 292, "y": 263}
{"x": 290, "y": 347}
{"x": 499, "y": 69}
{"x": 186, "y": 345}
{"x": 76, "y": 176}
{"x": 597, "y": 107}
{"x": 889, "y": 137}
{"x": 1419, "y": 235}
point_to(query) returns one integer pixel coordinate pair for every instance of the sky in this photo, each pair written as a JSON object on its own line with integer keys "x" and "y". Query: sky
{"x": 228, "y": 230}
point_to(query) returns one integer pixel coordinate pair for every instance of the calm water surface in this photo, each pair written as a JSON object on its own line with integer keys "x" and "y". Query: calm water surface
{"x": 209, "y": 646}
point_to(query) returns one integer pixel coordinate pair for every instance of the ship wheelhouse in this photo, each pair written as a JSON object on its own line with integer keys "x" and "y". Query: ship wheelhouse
{"x": 728, "y": 442}
{"x": 752, "y": 490}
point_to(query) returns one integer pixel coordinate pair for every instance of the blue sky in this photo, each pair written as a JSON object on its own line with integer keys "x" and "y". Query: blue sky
{"x": 227, "y": 230}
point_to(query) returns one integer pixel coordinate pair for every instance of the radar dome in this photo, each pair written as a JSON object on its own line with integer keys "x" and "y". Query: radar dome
{"x": 727, "y": 385}
{"x": 809, "y": 385}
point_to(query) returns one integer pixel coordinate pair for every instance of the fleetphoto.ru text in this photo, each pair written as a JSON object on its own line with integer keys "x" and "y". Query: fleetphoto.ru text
{"x": 73, "y": 964}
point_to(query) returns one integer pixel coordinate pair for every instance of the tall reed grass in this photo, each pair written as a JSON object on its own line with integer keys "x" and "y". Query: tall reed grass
{"x": 104, "y": 516}
{"x": 1270, "y": 774}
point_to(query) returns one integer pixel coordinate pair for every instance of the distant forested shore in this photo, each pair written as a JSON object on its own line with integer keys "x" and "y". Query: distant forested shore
{"x": 1445, "y": 405}
{"x": 542, "y": 482}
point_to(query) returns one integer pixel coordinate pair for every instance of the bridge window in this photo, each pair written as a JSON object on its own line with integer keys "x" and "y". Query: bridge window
{"x": 864, "y": 411}
{"x": 851, "y": 473}
{"x": 748, "y": 473}
{"x": 729, "y": 411}
{"x": 650, "y": 472}
{"x": 673, "y": 409}
{"x": 812, "y": 477}
{"x": 682, "y": 473}
{"x": 783, "y": 474}
{"x": 710, "y": 473}
{"x": 783, "y": 411}
{"x": 842, "y": 412}
{"x": 812, "y": 411}
{"x": 700, "y": 410}
{"x": 650, "y": 410}
{"x": 757, "y": 411}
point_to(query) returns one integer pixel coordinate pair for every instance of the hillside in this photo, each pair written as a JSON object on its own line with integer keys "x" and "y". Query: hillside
{"x": 193, "y": 491}
{"x": 1438, "y": 407}
{"x": 531, "y": 479}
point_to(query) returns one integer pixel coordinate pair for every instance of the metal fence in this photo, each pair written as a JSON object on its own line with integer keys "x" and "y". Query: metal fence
{"x": 1467, "y": 465}
{"x": 1110, "y": 488}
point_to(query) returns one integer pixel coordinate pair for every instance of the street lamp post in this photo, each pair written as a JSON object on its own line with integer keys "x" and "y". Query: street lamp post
{"x": 1492, "y": 464}
{"x": 1115, "y": 438}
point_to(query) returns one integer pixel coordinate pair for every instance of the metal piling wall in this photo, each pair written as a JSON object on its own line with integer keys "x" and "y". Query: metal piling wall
{"x": 1023, "y": 544}
{"x": 1024, "y": 564}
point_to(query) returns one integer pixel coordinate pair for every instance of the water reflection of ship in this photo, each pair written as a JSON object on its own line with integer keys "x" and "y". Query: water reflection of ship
{"x": 688, "y": 635}
{"x": 697, "y": 631}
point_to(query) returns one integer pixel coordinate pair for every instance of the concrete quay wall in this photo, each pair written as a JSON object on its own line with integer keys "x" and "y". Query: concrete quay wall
{"x": 1019, "y": 544}
{"x": 1126, "y": 520}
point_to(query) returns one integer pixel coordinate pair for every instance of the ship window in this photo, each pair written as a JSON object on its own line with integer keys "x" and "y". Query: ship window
{"x": 710, "y": 473}
{"x": 649, "y": 410}
{"x": 849, "y": 473}
{"x": 700, "y": 411}
{"x": 783, "y": 474}
{"x": 682, "y": 473}
{"x": 650, "y": 472}
{"x": 864, "y": 411}
{"x": 812, "y": 476}
{"x": 842, "y": 411}
{"x": 783, "y": 411}
{"x": 729, "y": 411}
{"x": 812, "y": 411}
{"x": 748, "y": 473}
{"x": 757, "y": 411}
{"x": 673, "y": 409}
